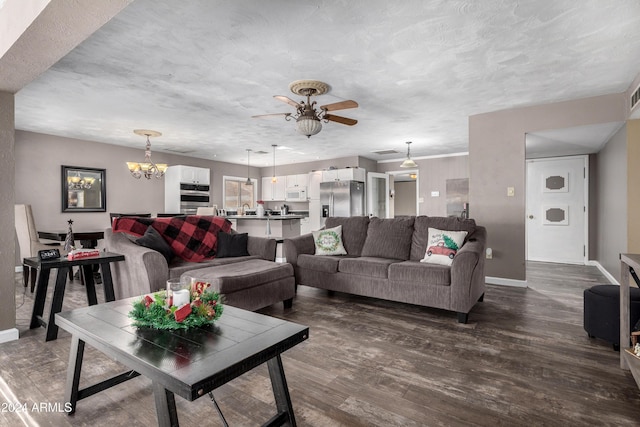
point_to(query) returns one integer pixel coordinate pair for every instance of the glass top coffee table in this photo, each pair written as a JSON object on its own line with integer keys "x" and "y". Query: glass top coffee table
{"x": 189, "y": 363}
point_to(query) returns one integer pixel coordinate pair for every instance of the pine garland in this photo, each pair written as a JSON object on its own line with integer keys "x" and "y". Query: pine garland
{"x": 150, "y": 311}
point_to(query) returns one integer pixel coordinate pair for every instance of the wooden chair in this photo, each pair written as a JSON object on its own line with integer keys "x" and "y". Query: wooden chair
{"x": 29, "y": 242}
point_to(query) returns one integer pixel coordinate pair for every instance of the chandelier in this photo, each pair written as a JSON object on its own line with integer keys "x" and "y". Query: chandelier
{"x": 147, "y": 168}
{"x": 408, "y": 163}
{"x": 80, "y": 183}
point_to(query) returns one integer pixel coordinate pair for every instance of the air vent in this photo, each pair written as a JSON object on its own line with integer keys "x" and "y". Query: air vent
{"x": 179, "y": 150}
{"x": 383, "y": 152}
{"x": 635, "y": 97}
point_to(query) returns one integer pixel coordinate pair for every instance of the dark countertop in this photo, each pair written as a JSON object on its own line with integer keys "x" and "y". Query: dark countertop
{"x": 273, "y": 217}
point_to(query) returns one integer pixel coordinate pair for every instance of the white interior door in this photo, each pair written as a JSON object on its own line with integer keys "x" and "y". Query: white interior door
{"x": 378, "y": 194}
{"x": 556, "y": 210}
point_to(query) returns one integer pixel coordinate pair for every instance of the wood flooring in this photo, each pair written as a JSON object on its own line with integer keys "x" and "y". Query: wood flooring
{"x": 523, "y": 359}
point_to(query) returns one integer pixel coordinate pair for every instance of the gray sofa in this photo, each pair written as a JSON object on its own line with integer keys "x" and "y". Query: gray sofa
{"x": 383, "y": 261}
{"x": 146, "y": 270}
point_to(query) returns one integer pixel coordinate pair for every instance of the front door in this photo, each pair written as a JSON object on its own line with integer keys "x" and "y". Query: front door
{"x": 556, "y": 210}
{"x": 378, "y": 194}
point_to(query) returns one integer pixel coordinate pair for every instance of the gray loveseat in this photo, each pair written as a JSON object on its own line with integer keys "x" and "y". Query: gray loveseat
{"x": 383, "y": 261}
{"x": 146, "y": 270}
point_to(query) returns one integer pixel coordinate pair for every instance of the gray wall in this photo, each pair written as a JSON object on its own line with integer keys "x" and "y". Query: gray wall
{"x": 38, "y": 178}
{"x": 432, "y": 176}
{"x": 611, "y": 207}
{"x": 7, "y": 213}
{"x": 497, "y": 161}
{"x": 404, "y": 200}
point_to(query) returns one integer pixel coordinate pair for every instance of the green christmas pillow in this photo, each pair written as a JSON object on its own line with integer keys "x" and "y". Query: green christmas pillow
{"x": 442, "y": 246}
{"x": 329, "y": 241}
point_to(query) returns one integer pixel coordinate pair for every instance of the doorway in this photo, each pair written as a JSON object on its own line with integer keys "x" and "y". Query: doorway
{"x": 404, "y": 188}
{"x": 378, "y": 199}
{"x": 556, "y": 209}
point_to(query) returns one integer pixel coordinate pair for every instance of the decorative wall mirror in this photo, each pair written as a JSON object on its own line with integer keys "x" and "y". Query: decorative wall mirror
{"x": 83, "y": 189}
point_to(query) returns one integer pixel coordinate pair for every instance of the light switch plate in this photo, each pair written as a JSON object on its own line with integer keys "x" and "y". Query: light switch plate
{"x": 511, "y": 191}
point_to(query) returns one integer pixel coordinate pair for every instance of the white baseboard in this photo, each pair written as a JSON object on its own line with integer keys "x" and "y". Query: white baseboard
{"x": 608, "y": 275}
{"x": 505, "y": 282}
{"x": 9, "y": 335}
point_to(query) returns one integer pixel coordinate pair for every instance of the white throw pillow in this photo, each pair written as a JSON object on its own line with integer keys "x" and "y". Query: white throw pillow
{"x": 443, "y": 245}
{"x": 329, "y": 241}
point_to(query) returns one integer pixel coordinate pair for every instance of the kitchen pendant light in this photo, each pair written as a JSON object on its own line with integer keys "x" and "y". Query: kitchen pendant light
{"x": 248, "y": 182}
{"x": 273, "y": 178}
{"x": 408, "y": 163}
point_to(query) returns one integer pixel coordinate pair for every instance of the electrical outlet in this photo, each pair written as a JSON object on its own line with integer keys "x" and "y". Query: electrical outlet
{"x": 489, "y": 253}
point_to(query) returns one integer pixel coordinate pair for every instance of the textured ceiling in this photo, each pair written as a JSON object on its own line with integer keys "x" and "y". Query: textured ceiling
{"x": 198, "y": 70}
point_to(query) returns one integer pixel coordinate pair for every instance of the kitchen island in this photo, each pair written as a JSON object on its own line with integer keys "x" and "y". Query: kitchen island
{"x": 276, "y": 226}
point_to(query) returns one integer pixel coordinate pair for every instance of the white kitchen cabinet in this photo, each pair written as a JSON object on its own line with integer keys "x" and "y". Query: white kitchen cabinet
{"x": 346, "y": 174}
{"x": 313, "y": 190}
{"x": 305, "y": 225}
{"x": 267, "y": 188}
{"x": 274, "y": 190}
{"x": 299, "y": 180}
{"x": 352, "y": 174}
{"x": 192, "y": 174}
{"x": 330, "y": 175}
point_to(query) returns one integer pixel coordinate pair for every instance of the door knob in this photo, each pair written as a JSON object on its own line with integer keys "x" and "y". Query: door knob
{"x": 530, "y": 216}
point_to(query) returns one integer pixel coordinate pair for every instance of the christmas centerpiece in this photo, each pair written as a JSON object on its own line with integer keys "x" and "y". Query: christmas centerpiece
{"x": 172, "y": 309}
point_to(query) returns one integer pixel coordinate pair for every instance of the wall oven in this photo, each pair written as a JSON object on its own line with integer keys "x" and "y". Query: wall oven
{"x": 193, "y": 196}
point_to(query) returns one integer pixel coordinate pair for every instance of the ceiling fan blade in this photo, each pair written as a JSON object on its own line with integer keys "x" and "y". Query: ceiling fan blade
{"x": 342, "y": 105}
{"x": 261, "y": 116}
{"x": 340, "y": 119}
{"x": 287, "y": 100}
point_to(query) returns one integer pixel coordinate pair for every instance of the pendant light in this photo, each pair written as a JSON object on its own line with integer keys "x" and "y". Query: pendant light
{"x": 248, "y": 182}
{"x": 148, "y": 169}
{"x": 408, "y": 163}
{"x": 273, "y": 178}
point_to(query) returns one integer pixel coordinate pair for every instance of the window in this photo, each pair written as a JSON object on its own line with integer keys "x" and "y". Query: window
{"x": 236, "y": 193}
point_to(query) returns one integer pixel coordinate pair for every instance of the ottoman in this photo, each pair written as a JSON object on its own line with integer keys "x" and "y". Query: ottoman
{"x": 250, "y": 284}
{"x": 602, "y": 312}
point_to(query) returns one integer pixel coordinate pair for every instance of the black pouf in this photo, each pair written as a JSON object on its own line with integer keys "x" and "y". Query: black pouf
{"x": 602, "y": 312}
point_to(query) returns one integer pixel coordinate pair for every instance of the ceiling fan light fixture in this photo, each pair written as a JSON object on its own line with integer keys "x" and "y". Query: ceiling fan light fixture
{"x": 308, "y": 126}
{"x": 408, "y": 163}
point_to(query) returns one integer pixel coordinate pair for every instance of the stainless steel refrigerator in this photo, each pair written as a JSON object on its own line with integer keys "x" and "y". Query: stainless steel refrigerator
{"x": 342, "y": 198}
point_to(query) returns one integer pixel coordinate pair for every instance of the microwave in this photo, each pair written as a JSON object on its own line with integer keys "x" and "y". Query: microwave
{"x": 296, "y": 194}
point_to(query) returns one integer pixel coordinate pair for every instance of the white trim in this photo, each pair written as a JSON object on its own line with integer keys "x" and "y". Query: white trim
{"x": 608, "y": 275}
{"x": 437, "y": 156}
{"x": 505, "y": 282}
{"x": 9, "y": 335}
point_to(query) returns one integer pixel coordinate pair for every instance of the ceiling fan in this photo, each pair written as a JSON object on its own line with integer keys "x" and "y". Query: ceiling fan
{"x": 309, "y": 118}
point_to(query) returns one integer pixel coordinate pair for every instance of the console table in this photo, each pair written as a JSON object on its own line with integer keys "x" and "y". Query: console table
{"x": 627, "y": 361}
{"x": 64, "y": 265}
